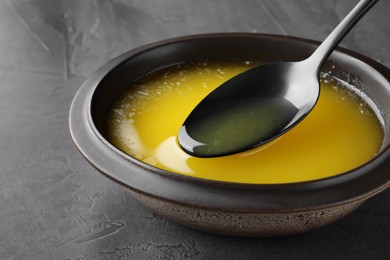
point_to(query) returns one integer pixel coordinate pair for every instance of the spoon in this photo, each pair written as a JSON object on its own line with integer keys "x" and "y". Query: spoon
{"x": 262, "y": 103}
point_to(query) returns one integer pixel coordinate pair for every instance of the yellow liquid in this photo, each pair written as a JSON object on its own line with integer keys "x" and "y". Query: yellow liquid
{"x": 341, "y": 133}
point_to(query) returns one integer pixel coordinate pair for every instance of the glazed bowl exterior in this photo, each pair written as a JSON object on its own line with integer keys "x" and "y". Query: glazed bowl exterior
{"x": 222, "y": 207}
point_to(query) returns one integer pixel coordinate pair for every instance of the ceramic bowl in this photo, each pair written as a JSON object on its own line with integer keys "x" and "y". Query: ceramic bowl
{"x": 222, "y": 207}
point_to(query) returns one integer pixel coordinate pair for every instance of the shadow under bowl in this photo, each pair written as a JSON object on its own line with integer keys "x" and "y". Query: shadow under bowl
{"x": 222, "y": 207}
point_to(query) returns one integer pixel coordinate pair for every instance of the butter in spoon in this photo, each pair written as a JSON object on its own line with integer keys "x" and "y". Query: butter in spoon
{"x": 262, "y": 103}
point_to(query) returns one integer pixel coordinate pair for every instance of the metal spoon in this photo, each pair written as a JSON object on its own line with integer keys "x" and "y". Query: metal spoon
{"x": 262, "y": 103}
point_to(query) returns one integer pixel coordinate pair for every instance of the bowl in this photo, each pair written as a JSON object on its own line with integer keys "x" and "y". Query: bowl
{"x": 222, "y": 207}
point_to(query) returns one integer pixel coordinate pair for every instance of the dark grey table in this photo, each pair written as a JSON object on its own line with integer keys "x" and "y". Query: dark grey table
{"x": 53, "y": 205}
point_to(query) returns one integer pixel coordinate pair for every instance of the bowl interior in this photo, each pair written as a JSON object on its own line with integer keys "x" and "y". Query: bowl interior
{"x": 353, "y": 69}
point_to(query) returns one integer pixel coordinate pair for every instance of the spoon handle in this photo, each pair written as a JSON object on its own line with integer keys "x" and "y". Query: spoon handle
{"x": 328, "y": 45}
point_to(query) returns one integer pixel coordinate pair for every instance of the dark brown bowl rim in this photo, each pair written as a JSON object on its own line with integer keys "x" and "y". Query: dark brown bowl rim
{"x": 347, "y": 187}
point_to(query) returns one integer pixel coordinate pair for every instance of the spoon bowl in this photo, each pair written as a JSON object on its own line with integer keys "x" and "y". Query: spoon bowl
{"x": 263, "y": 103}
{"x": 267, "y": 105}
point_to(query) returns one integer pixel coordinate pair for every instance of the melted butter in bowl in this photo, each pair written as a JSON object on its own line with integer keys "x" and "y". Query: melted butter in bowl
{"x": 340, "y": 134}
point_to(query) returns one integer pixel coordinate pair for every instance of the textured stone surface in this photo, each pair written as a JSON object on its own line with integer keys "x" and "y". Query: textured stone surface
{"x": 53, "y": 205}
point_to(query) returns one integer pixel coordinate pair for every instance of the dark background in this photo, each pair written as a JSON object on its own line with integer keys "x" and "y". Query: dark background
{"x": 53, "y": 205}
